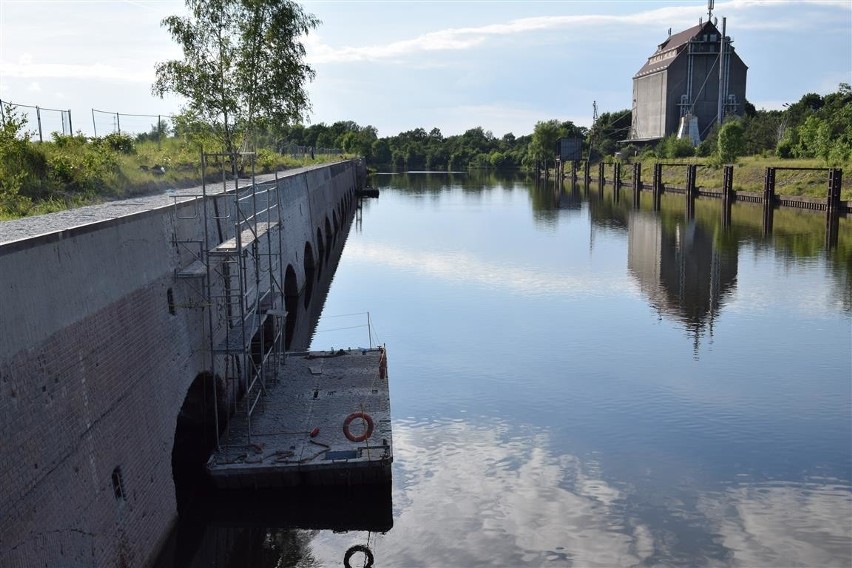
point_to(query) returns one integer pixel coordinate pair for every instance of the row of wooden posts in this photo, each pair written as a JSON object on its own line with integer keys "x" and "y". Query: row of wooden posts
{"x": 832, "y": 204}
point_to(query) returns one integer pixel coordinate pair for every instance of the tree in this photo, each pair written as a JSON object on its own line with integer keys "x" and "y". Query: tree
{"x": 243, "y": 64}
{"x": 731, "y": 143}
{"x": 544, "y": 138}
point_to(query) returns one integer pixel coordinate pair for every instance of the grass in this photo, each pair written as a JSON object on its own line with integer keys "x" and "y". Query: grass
{"x": 75, "y": 171}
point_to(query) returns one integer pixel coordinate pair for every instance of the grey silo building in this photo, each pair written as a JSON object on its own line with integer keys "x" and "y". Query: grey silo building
{"x": 682, "y": 78}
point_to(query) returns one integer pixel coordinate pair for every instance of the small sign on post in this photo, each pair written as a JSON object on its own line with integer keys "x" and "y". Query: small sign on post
{"x": 569, "y": 149}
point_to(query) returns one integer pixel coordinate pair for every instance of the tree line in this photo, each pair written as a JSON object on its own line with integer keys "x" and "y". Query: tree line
{"x": 816, "y": 126}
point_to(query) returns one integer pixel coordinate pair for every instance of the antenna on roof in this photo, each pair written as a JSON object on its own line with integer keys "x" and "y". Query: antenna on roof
{"x": 670, "y": 32}
{"x": 709, "y": 10}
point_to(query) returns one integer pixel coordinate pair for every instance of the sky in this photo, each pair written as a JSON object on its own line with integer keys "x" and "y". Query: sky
{"x": 399, "y": 65}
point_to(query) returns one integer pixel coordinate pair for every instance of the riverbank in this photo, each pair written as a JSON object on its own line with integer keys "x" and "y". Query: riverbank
{"x": 748, "y": 175}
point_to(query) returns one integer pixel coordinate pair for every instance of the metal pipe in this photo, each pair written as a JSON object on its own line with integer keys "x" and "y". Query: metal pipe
{"x": 722, "y": 96}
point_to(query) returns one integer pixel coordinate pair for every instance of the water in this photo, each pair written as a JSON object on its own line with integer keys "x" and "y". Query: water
{"x": 578, "y": 383}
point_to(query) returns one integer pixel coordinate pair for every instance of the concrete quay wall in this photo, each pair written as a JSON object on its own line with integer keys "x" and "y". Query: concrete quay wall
{"x": 99, "y": 344}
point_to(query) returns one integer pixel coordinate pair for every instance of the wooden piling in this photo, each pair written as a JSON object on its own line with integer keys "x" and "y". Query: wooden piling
{"x": 728, "y": 194}
{"x": 691, "y": 173}
{"x": 657, "y": 187}
{"x": 637, "y": 184}
{"x": 768, "y": 200}
{"x": 616, "y": 180}
{"x": 601, "y": 178}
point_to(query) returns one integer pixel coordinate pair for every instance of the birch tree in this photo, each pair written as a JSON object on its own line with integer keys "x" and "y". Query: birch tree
{"x": 243, "y": 65}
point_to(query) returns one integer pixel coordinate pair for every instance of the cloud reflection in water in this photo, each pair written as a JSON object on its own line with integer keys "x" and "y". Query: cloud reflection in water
{"x": 490, "y": 495}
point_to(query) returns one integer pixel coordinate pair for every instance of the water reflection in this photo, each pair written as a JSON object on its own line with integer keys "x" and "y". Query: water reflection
{"x": 495, "y": 493}
{"x": 680, "y": 269}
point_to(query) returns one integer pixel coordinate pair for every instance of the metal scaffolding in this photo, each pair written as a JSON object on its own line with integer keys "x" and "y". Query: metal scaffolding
{"x": 235, "y": 274}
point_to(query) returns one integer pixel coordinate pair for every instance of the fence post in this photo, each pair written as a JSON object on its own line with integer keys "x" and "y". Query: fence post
{"x": 38, "y": 117}
{"x": 94, "y": 125}
{"x": 159, "y": 133}
{"x": 70, "y": 126}
{"x": 768, "y": 200}
{"x": 118, "y": 122}
{"x": 727, "y": 194}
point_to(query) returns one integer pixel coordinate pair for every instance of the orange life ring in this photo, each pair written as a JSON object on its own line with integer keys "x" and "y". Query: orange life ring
{"x": 367, "y": 433}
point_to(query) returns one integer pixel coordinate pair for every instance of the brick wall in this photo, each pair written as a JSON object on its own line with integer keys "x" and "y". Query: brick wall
{"x": 94, "y": 369}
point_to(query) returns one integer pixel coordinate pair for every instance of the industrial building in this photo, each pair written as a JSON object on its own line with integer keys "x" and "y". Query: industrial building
{"x": 680, "y": 89}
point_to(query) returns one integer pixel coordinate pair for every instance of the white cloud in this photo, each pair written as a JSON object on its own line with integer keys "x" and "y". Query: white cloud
{"x": 584, "y": 26}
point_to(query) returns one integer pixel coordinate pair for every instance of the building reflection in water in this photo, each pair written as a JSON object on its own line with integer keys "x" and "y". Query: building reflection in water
{"x": 681, "y": 270}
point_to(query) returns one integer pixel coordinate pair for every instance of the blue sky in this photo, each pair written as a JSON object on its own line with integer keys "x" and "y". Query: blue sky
{"x": 399, "y": 65}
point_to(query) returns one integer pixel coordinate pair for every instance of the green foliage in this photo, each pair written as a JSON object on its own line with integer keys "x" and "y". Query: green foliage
{"x": 673, "y": 147}
{"x": 542, "y": 146}
{"x": 731, "y": 142}
{"x": 607, "y": 131}
{"x": 818, "y": 127}
{"x": 121, "y": 143}
{"x": 243, "y": 65}
{"x": 18, "y": 162}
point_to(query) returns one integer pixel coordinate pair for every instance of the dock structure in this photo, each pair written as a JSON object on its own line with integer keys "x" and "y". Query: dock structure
{"x": 325, "y": 421}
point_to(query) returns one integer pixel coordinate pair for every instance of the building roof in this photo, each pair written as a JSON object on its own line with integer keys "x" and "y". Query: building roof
{"x": 668, "y": 51}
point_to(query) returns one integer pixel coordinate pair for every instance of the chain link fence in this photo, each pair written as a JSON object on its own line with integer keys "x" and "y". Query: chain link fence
{"x": 41, "y": 121}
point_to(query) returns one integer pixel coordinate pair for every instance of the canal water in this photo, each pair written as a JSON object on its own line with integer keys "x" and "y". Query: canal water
{"x": 576, "y": 382}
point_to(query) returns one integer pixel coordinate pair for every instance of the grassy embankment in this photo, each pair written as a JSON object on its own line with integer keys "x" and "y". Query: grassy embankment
{"x": 748, "y": 175}
{"x": 72, "y": 171}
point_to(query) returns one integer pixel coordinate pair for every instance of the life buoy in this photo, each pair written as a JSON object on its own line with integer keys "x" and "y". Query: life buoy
{"x": 368, "y": 555}
{"x": 367, "y": 433}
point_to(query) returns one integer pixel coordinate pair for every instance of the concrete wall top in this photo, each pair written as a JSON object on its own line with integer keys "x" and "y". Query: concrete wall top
{"x": 27, "y": 232}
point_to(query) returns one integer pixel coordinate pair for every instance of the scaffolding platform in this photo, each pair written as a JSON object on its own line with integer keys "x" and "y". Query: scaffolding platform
{"x": 324, "y": 422}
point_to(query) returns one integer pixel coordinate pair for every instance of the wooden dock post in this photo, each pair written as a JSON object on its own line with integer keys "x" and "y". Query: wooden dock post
{"x": 657, "y": 187}
{"x": 728, "y": 194}
{"x": 637, "y": 184}
{"x": 691, "y": 171}
{"x": 601, "y": 178}
{"x": 835, "y": 177}
{"x": 832, "y": 210}
{"x": 768, "y": 200}
{"x": 586, "y": 177}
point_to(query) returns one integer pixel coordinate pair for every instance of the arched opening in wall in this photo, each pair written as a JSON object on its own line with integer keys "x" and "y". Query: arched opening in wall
{"x": 328, "y": 243}
{"x": 310, "y": 273}
{"x": 195, "y": 438}
{"x": 291, "y": 304}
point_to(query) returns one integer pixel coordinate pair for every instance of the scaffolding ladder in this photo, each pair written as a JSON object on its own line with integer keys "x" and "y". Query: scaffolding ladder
{"x": 235, "y": 272}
